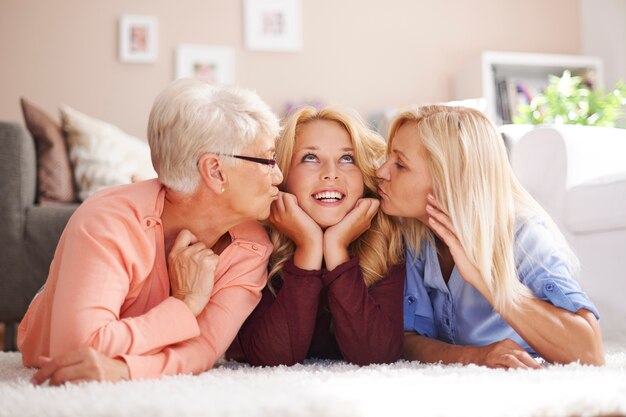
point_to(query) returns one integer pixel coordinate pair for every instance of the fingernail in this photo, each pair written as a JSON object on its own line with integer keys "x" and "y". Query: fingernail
{"x": 431, "y": 197}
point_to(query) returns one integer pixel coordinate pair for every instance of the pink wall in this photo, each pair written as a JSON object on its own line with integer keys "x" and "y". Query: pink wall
{"x": 359, "y": 53}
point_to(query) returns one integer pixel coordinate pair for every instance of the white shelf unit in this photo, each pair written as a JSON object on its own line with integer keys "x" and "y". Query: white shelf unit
{"x": 480, "y": 77}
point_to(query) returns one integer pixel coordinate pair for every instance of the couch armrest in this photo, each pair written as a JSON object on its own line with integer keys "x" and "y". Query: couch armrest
{"x": 551, "y": 160}
{"x": 538, "y": 159}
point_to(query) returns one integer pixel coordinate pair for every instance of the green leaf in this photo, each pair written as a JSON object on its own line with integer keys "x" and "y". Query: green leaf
{"x": 568, "y": 100}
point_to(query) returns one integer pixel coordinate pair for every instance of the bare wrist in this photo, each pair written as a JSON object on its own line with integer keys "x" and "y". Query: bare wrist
{"x": 195, "y": 303}
{"x": 335, "y": 255}
{"x": 309, "y": 241}
{"x": 470, "y": 355}
{"x": 308, "y": 257}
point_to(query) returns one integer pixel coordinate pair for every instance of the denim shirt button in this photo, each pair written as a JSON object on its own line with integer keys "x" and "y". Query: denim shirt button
{"x": 411, "y": 299}
{"x": 549, "y": 287}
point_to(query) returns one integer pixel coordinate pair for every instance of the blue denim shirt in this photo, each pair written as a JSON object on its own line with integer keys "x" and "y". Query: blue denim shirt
{"x": 458, "y": 314}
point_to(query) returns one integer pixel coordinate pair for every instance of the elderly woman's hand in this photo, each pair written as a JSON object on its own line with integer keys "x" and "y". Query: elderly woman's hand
{"x": 85, "y": 364}
{"x": 191, "y": 267}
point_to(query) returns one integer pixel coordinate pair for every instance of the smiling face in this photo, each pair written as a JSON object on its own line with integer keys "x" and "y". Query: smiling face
{"x": 405, "y": 176}
{"x": 323, "y": 174}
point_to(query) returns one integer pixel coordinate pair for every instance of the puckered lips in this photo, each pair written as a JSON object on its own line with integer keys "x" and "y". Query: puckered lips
{"x": 328, "y": 197}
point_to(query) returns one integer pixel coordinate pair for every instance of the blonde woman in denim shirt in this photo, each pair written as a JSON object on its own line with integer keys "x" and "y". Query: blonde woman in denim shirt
{"x": 489, "y": 275}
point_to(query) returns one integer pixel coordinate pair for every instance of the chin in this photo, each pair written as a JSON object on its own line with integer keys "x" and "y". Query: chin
{"x": 263, "y": 215}
{"x": 389, "y": 211}
{"x": 327, "y": 222}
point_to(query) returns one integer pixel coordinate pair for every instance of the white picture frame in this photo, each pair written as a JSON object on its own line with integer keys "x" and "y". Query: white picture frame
{"x": 273, "y": 25}
{"x": 214, "y": 64}
{"x": 138, "y": 39}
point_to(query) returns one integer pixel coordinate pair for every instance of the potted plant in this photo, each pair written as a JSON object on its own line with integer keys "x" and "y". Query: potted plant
{"x": 569, "y": 100}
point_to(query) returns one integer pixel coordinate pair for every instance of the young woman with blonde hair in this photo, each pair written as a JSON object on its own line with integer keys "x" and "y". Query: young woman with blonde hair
{"x": 489, "y": 275}
{"x": 337, "y": 271}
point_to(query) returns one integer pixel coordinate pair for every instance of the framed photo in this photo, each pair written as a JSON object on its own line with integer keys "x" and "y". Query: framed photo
{"x": 273, "y": 25}
{"x": 138, "y": 39}
{"x": 215, "y": 64}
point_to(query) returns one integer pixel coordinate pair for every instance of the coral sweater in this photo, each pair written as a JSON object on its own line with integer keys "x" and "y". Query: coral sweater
{"x": 108, "y": 288}
{"x": 327, "y": 315}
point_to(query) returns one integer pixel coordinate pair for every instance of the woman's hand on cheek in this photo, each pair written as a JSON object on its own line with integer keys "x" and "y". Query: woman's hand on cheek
{"x": 441, "y": 224}
{"x": 289, "y": 218}
{"x": 356, "y": 222}
{"x": 337, "y": 238}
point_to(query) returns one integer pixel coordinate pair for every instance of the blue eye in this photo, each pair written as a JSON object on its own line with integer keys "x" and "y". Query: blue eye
{"x": 347, "y": 158}
{"x": 309, "y": 158}
{"x": 399, "y": 165}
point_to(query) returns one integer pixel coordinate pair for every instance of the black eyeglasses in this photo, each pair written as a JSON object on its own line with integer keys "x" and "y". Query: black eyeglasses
{"x": 263, "y": 161}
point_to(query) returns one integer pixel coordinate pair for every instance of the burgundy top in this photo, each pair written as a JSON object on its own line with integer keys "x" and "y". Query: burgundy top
{"x": 326, "y": 315}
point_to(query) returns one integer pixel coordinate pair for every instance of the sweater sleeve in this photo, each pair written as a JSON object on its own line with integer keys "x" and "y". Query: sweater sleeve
{"x": 237, "y": 292}
{"x": 280, "y": 329}
{"x": 95, "y": 269}
{"x": 367, "y": 323}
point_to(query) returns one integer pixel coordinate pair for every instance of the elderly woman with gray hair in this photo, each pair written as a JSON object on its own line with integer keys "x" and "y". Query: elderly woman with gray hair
{"x": 156, "y": 277}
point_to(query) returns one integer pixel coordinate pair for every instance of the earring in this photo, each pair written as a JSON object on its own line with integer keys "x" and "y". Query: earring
{"x": 222, "y": 189}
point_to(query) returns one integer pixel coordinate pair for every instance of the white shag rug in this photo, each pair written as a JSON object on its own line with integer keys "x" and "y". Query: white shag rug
{"x": 326, "y": 388}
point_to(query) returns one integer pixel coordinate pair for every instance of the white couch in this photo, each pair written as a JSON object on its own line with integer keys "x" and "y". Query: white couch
{"x": 578, "y": 174}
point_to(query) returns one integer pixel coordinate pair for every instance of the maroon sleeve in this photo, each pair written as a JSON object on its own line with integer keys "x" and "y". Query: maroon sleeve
{"x": 279, "y": 330}
{"x": 367, "y": 323}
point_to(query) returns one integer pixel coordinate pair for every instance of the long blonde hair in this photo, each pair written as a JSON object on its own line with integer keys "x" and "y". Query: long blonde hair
{"x": 474, "y": 183}
{"x": 381, "y": 245}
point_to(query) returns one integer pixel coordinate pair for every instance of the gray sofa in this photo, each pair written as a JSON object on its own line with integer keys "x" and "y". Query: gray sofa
{"x": 29, "y": 232}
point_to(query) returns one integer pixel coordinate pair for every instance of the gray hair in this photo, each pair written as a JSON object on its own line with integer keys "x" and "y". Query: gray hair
{"x": 191, "y": 117}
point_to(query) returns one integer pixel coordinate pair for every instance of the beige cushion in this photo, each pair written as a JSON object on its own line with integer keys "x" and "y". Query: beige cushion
{"x": 54, "y": 174}
{"x": 102, "y": 155}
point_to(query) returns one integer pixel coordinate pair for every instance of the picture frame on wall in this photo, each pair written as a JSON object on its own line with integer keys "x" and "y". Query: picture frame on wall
{"x": 138, "y": 39}
{"x": 273, "y": 25}
{"x": 214, "y": 64}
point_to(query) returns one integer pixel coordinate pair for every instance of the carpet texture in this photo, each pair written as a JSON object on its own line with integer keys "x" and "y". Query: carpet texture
{"x": 325, "y": 388}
